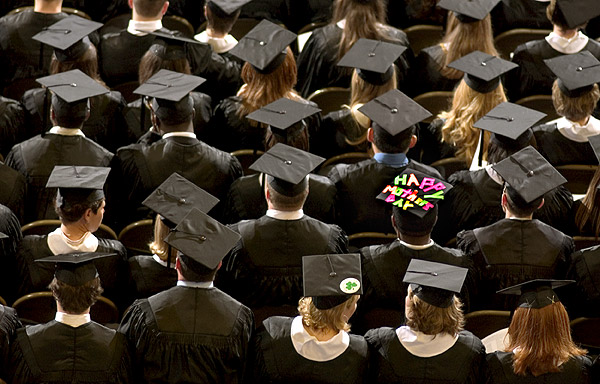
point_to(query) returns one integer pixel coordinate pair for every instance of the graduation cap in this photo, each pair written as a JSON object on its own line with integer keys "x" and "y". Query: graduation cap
{"x": 537, "y": 293}
{"x": 283, "y": 114}
{"x": 578, "y": 12}
{"x": 228, "y": 7}
{"x": 68, "y": 37}
{"x": 331, "y": 279}
{"x": 202, "y": 239}
{"x": 482, "y": 71}
{"x": 373, "y": 60}
{"x": 75, "y": 269}
{"x": 169, "y": 45}
{"x": 264, "y": 46}
{"x": 435, "y": 283}
{"x": 469, "y": 11}
{"x": 287, "y": 168}
{"x": 529, "y": 174}
{"x": 176, "y": 196}
{"x": 78, "y": 184}
{"x": 394, "y": 112}
{"x": 577, "y": 73}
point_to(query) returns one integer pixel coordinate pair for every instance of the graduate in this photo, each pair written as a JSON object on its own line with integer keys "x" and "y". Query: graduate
{"x": 221, "y": 16}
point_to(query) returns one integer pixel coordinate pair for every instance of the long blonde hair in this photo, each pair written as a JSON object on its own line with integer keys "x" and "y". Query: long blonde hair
{"x": 468, "y": 106}
{"x": 158, "y": 245}
{"x": 325, "y": 319}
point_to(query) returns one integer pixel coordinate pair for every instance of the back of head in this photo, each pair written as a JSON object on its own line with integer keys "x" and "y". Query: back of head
{"x": 70, "y": 115}
{"x": 218, "y": 20}
{"x": 432, "y": 320}
{"x": 286, "y": 203}
{"x": 575, "y": 108}
{"x": 517, "y": 205}
{"x": 86, "y": 63}
{"x": 387, "y": 143}
{"x": 362, "y": 18}
{"x": 556, "y": 17}
{"x": 71, "y": 210}
{"x": 149, "y": 8}
{"x": 325, "y": 319}
{"x": 76, "y": 300}
{"x": 295, "y": 136}
{"x": 362, "y": 92}
{"x": 173, "y": 113}
{"x": 162, "y": 56}
{"x": 501, "y": 148}
{"x": 194, "y": 271}
{"x": 410, "y": 224}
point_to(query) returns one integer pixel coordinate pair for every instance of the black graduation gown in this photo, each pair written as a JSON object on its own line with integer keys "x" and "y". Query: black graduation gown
{"x": 58, "y": 353}
{"x": 462, "y": 363}
{"x": 246, "y": 199}
{"x": 430, "y": 147}
{"x": 189, "y": 335}
{"x": 272, "y": 10}
{"x": 34, "y": 277}
{"x": 499, "y": 370}
{"x": 317, "y": 63}
{"x": 357, "y": 209}
{"x": 338, "y": 130}
{"x": 474, "y": 202}
{"x": 35, "y": 158}
{"x": 429, "y": 62}
{"x": 273, "y": 358}
{"x": 105, "y": 126}
{"x": 9, "y": 323}
{"x": 559, "y": 150}
{"x": 13, "y": 128}
{"x": 585, "y": 270}
{"x": 268, "y": 258}
{"x": 301, "y": 13}
{"x": 510, "y": 14}
{"x": 13, "y": 187}
{"x": 511, "y": 252}
{"x": 147, "y": 277}
{"x": 10, "y": 226}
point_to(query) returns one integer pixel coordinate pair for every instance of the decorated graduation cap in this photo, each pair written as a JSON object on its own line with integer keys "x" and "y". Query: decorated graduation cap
{"x": 228, "y": 7}
{"x": 578, "y": 12}
{"x": 577, "y": 73}
{"x": 264, "y": 46}
{"x": 331, "y": 279}
{"x": 287, "y": 168}
{"x": 202, "y": 239}
{"x": 78, "y": 184}
{"x": 176, "y": 196}
{"x": 373, "y": 60}
{"x": 68, "y": 37}
{"x": 435, "y": 283}
{"x": 469, "y": 11}
{"x": 75, "y": 269}
{"x": 529, "y": 174}
{"x": 283, "y": 114}
{"x": 394, "y": 112}
{"x": 482, "y": 71}
{"x": 537, "y": 293}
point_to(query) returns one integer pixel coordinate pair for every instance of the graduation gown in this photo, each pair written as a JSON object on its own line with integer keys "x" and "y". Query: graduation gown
{"x": 429, "y": 62}
{"x": 35, "y": 159}
{"x": 147, "y": 277}
{"x": 511, "y": 252}
{"x": 317, "y": 63}
{"x": 188, "y": 335}
{"x": 559, "y": 150}
{"x": 357, "y": 209}
{"x": 10, "y": 226}
{"x": 268, "y": 258}
{"x": 510, "y": 14}
{"x": 499, "y": 370}
{"x": 430, "y": 146}
{"x": 13, "y": 187}
{"x": 9, "y": 323}
{"x": 13, "y": 128}
{"x": 339, "y": 130}
{"x": 246, "y": 199}
{"x": 274, "y": 359}
{"x": 58, "y": 353}
{"x": 462, "y": 363}
{"x": 585, "y": 270}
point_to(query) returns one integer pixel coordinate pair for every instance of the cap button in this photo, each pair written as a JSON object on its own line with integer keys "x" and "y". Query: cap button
{"x": 371, "y": 54}
{"x": 181, "y": 201}
{"x": 579, "y": 69}
{"x": 261, "y": 43}
{"x": 530, "y": 173}
{"x": 511, "y": 119}
{"x": 332, "y": 274}
{"x": 73, "y": 84}
{"x": 483, "y": 64}
{"x": 394, "y": 110}
{"x": 288, "y": 162}
{"x": 202, "y": 237}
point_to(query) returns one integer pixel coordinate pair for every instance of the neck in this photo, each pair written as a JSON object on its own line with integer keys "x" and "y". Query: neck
{"x": 565, "y": 33}
{"x": 374, "y": 148}
{"x": 510, "y": 214}
{"x": 583, "y": 121}
{"x": 48, "y": 6}
{"x": 212, "y": 33}
{"x": 414, "y": 240}
{"x": 59, "y": 308}
{"x": 185, "y": 127}
{"x": 137, "y": 17}
{"x": 320, "y": 334}
{"x": 74, "y": 231}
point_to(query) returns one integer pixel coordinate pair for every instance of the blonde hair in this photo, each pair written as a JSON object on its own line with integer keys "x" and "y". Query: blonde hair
{"x": 575, "y": 108}
{"x": 158, "y": 246}
{"x": 325, "y": 319}
{"x": 432, "y": 320}
{"x": 468, "y": 106}
{"x": 589, "y": 211}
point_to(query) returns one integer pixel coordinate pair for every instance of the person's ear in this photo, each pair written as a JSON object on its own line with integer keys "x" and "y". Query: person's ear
{"x": 413, "y": 141}
{"x": 130, "y": 3}
{"x": 370, "y": 135}
{"x": 541, "y": 204}
{"x": 165, "y": 7}
{"x": 52, "y": 116}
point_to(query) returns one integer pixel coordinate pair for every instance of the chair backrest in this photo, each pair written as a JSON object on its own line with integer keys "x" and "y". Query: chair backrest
{"x": 43, "y": 227}
{"x": 584, "y": 332}
{"x": 330, "y": 99}
{"x": 508, "y": 41}
{"x": 422, "y": 36}
{"x": 363, "y": 239}
{"x": 178, "y": 23}
{"x": 541, "y": 103}
{"x": 578, "y": 176}
{"x": 68, "y": 10}
{"x": 2, "y": 301}
{"x": 345, "y": 158}
{"x": 136, "y": 237}
{"x": 582, "y": 242}
{"x": 484, "y": 323}
{"x": 126, "y": 89}
{"x": 449, "y": 165}
{"x": 246, "y": 157}
{"x": 435, "y": 102}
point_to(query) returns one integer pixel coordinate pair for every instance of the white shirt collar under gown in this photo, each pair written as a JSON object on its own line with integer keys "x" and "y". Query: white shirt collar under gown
{"x": 72, "y": 320}
{"x": 218, "y": 44}
{"x": 66, "y": 131}
{"x": 60, "y": 244}
{"x": 195, "y": 284}
{"x": 285, "y": 215}
{"x": 575, "y": 132}
{"x": 567, "y": 46}
{"x": 422, "y": 345}
{"x": 135, "y": 27}
{"x": 310, "y": 348}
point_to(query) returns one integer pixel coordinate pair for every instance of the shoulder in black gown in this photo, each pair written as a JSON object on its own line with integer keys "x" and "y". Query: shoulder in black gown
{"x": 559, "y": 150}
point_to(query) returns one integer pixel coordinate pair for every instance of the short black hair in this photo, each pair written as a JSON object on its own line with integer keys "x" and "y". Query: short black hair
{"x": 412, "y": 225}
{"x": 194, "y": 271}
{"x": 70, "y": 213}
{"x": 387, "y": 143}
{"x": 220, "y": 21}
{"x": 518, "y": 205}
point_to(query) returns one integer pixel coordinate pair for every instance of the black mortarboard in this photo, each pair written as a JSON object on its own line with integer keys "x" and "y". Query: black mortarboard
{"x": 469, "y": 11}
{"x": 595, "y": 143}
{"x": 529, "y": 174}
{"x": 578, "y": 12}
{"x": 75, "y": 269}
{"x": 264, "y": 46}
{"x": 435, "y": 283}
{"x": 331, "y": 279}
{"x": 373, "y": 60}
{"x": 537, "y": 293}
{"x": 287, "y": 168}
{"x": 169, "y": 45}
{"x": 482, "y": 71}
{"x": 577, "y": 73}
{"x": 283, "y": 114}
{"x": 228, "y": 6}
{"x": 394, "y": 112}
{"x": 78, "y": 183}
{"x": 202, "y": 239}
{"x": 176, "y": 196}
{"x": 415, "y": 192}
{"x": 68, "y": 37}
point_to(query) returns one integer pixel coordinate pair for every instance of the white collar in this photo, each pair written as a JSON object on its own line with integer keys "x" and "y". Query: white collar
{"x": 162, "y": 262}
{"x": 475, "y": 161}
{"x": 493, "y": 174}
{"x": 72, "y": 320}
{"x": 135, "y": 27}
{"x": 195, "y": 284}
{"x": 497, "y": 341}
{"x": 66, "y": 131}
{"x": 417, "y": 247}
{"x": 422, "y": 345}
{"x": 179, "y": 134}
{"x": 285, "y": 215}
{"x": 59, "y": 243}
{"x": 575, "y": 132}
{"x": 567, "y": 46}
{"x": 310, "y": 348}
{"x": 518, "y": 218}
{"x": 342, "y": 24}
{"x": 218, "y": 44}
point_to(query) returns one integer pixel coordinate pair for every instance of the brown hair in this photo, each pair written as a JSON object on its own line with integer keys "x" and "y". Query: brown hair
{"x": 86, "y": 63}
{"x": 589, "y": 211}
{"x": 148, "y": 8}
{"x": 71, "y": 213}
{"x": 575, "y": 108}
{"x": 286, "y": 203}
{"x": 556, "y": 17}
{"x": 431, "y": 320}
{"x": 75, "y": 300}
{"x": 152, "y": 63}
{"x": 158, "y": 245}
{"x": 325, "y": 319}
{"x": 540, "y": 339}
{"x": 295, "y": 136}
{"x": 218, "y": 20}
